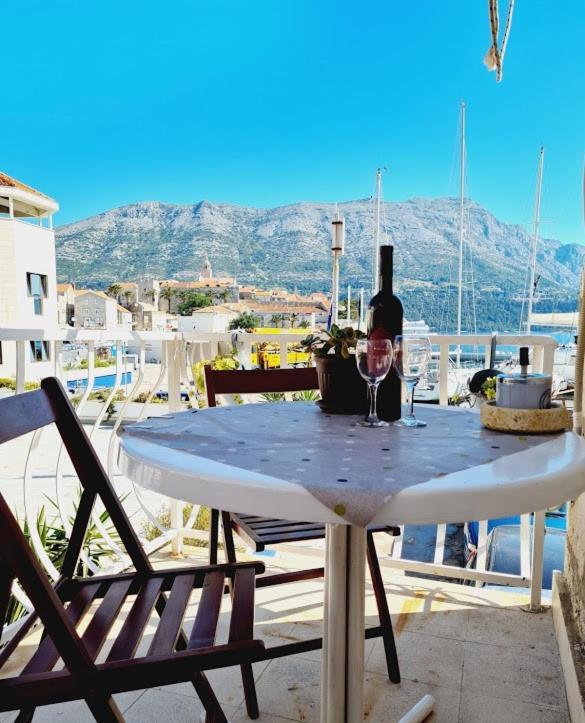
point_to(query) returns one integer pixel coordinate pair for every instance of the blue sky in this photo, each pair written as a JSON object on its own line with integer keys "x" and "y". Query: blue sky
{"x": 275, "y": 101}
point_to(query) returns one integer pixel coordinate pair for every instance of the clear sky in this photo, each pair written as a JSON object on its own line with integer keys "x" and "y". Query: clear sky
{"x": 267, "y": 102}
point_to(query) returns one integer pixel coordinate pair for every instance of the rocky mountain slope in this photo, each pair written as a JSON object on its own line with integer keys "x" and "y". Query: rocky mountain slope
{"x": 290, "y": 246}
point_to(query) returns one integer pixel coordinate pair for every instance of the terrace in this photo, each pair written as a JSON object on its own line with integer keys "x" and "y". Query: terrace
{"x": 474, "y": 648}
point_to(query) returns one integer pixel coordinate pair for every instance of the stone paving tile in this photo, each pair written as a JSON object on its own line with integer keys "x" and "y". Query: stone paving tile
{"x": 161, "y": 705}
{"x": 76, "y": 711}
{"x": 387, "y": 703}
{"x": 512, "y": 627}
{"x": 240, "y": 716}
{"x": 291, "y": 688}
{"x": 442, "y": 623}
{"x": 424, "y": 659}
{"x": 515, "y": 673}
{"x": 476, "y": 708}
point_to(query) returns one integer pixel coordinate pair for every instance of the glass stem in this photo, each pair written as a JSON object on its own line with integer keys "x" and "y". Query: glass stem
{"x": 410, "y": 388}
{"x": 373, "y": 415}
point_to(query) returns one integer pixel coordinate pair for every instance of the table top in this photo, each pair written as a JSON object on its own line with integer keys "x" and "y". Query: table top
{"x": 292, "y": 461}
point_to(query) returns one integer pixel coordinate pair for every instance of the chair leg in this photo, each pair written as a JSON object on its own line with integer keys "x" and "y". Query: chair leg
{"x": 213, "y": 710}
{"x": 250, "y": 690}
{"x": 25, "y": 715}
{"x": 247, "y": 672}
{"x": 228, "y": 538}
{"x": 383, "y": 611}
{"x": 104, "y": 709}
{"x": 213, "y": 536}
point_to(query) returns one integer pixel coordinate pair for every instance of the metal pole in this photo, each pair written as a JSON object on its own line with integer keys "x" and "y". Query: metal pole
{"x": 348, "y": 304}
{"x": 461, "y": 211}
{"x": 335, "y": 291}
{"x": 535, "y": 239}
{"x": 337, "y": 245}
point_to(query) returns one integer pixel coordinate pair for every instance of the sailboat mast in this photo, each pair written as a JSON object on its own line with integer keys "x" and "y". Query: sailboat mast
{"x": 535, "y": 239}
{"x": 375, "y": 266}
{"x": 461, "y": 211}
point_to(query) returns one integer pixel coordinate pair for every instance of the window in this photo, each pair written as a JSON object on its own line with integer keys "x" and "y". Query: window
{"x": 37, "y": 288}
{"x": 39, "y": 351}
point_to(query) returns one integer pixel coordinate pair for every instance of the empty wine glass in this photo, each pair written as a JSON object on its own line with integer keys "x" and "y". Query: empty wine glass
{"x": 374, "y": 359}
{"x": 412, "y": 355}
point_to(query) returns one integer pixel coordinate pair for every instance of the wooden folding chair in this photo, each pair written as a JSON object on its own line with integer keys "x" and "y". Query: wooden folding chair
{"x": 259, "y": 532}
{"x": 170, "y": 657}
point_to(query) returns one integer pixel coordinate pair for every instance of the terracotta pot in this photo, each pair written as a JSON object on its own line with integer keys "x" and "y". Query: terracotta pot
{"x": 343, "y": 391}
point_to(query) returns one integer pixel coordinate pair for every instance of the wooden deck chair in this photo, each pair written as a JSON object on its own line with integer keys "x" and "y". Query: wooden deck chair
{"x": 171, "y": 655}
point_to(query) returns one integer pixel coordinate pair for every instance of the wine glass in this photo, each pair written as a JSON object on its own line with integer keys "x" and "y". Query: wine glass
{"x": 374, "y": 359}
{"x": 412, "y": 355}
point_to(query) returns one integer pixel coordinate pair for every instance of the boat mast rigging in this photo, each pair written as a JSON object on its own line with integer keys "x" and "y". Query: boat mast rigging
{"x": 532, "y": 284}
{"x": 461, "y": 213}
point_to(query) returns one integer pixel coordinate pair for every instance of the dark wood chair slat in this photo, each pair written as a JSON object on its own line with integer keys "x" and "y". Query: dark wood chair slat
{"x": 257, "y": 381}
{"x": 169, "y": 627}
{"x": 105, "y": 616}
{"x": 205, "y": 625}
{"x": 47, "y": 655}
{"x": 268, "y": 524}
{"x": 130, "y": 635}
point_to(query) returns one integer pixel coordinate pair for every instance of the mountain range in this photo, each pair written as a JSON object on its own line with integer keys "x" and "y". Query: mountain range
{"x": 289, "y": 246}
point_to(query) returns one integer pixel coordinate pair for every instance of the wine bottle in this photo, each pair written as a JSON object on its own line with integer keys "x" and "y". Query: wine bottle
{"x": 385, "y": 322}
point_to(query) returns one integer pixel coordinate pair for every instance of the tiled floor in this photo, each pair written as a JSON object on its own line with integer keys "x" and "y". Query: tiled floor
{"x": 477, "y": 652}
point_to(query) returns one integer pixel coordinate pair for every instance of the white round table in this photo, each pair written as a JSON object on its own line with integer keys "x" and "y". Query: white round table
{"x": 530, "y": 480}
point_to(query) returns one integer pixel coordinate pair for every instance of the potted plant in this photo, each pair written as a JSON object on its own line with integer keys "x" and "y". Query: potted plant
{"x": 343, "y": 391}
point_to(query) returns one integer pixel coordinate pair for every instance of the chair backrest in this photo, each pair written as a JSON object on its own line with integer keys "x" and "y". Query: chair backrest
{"x": 25, "y": 413}
{"x": 258, "y": 381}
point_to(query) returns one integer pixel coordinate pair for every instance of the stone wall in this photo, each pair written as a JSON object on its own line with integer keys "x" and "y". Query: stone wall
{"x": 575, "y": 561}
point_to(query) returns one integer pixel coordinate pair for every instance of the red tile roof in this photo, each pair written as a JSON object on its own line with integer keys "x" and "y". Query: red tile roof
{"x": 6, "y": 180}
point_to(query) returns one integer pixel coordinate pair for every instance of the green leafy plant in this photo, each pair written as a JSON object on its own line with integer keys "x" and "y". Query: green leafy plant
{"x": 273, "y": 396}
{"x": 309, "y": 395}
{"x": 245, "y": 321}
{"x": 338, "y": 341}
{"x": 220, "y": 362}
{"x": 55, "y": 542}
{"x": 488, "y": 388}
{"x": 193, "y": 300}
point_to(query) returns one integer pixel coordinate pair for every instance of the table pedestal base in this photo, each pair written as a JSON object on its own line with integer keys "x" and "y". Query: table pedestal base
{"x": 342, "y": 688}
{"x": 342, "y": 673}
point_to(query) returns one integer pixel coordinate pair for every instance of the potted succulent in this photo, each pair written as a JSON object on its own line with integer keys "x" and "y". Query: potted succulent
{"x": 343, "y": 391}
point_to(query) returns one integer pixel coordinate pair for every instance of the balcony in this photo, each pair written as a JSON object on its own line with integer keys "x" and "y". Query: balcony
{"x": 476, "y": 649}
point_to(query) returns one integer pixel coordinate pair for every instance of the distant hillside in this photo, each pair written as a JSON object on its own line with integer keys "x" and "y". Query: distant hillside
{"x": 290, "y": 246}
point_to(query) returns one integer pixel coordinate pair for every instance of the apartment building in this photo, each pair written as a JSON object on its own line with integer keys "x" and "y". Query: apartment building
{"x": 28, "y": 285}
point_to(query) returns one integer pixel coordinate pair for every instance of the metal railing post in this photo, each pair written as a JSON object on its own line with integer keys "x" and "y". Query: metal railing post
{"x": 174, "y": 349}
{"x": 20, "y": 365}
{"x": 537, "y": 563}
{"x": 444, "y": 374}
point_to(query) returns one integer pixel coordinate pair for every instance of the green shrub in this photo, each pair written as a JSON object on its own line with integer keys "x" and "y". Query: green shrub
{"x": 143, "y": 396}
{"x": 83, "y": 364}
{"x": 7, "y": 383}
{"x": 219, "y": 363}
{"x": 150, "y": 531}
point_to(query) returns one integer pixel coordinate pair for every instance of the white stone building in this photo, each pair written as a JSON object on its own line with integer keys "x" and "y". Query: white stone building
{"x": 96, "y": 310}
{"x": 28, "y": 281}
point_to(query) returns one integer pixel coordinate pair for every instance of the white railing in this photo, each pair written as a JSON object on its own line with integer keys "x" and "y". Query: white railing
{"x": 173, "y": 374}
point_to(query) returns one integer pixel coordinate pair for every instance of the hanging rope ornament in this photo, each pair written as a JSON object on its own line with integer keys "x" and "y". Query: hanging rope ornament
{"x": 494, "y": 58}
